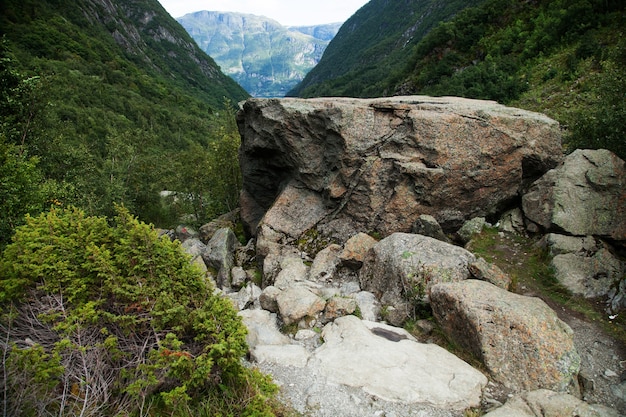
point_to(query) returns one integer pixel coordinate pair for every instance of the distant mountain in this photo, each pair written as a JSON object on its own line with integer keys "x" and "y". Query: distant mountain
{"x": 373, "y": 45}
{"x": 264, "y": 57}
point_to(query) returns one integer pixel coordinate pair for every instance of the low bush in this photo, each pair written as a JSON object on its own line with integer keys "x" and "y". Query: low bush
{"x": 104, "y": 317}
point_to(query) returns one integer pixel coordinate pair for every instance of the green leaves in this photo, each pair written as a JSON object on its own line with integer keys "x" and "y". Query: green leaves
{"x": 112, "y": 299}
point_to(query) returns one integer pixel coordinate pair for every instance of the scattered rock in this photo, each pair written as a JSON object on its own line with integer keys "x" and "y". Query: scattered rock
{"x": 220, "y": 255}
{"x": 470, "y": 228}
{"x": 246, "y": 297}
{"x": 293, "y": 271}
{"x": 585, "y": 195}
{"x": 368, "y": 305}
{"x": 262, "y": 328}
{"x": 355, "y": 250}
{"x": 239, "y": 277}
{"x": 325, "y": 264}
{"x": 560, "y": 244}
{"x": 512, "y": 222}
{"x": 295, "y": 303}
{"x": 588, "y": 276}
{"x": 339, "y": 307}
{"x": 484, "y": 271}
{"x": 225, "y": 221}
{"x": 268, "y": 299}
{"x": 427, "y": 225}
{"x": 521, "y": 341}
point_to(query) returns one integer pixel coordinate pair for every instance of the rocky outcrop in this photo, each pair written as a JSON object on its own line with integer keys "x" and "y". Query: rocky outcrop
{"x": 520, "y": 339}
{"x": 546, "y": 403}
{"x": 401, "y": 269}
{"x": 585, "y": 195}
{"x": 429, "y": 374}
{"x": 375, "y": 165}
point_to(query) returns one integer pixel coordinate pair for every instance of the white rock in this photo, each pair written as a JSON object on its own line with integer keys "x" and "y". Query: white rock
{"x": 403, "y": 370}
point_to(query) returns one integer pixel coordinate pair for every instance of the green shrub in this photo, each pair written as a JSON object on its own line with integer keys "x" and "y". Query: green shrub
{"x": 107, "y": 318}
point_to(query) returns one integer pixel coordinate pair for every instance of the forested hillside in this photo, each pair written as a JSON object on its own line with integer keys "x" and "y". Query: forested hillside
{"x": 111, "y": 102}
{"x": 264, "y": 57}
{"x": 374, "y": 44}
{"x": 565, "y": 58}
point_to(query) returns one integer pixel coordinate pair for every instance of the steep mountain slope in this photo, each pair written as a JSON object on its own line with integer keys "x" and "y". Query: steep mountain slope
{"x": 115, "y": 88}
{"x": 373, "y": 44}
{"x": 263, "y": 56}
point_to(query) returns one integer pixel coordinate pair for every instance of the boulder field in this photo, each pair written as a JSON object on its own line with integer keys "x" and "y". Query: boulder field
{"x": 358, "y": 212}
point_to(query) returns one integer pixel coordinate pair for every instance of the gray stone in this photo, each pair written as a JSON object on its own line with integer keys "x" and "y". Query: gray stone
{"x": 546, "y": 403}
{"x": 512, "y": 222}
{"x": 585, "y": 195}
{"x": 398, "y": 368}
{"x": 401, "y": 268}
{"x": 225, "y": 221}
{"x": 268, "y": 299}
{"x": 470, "y": 228}
{"x": 325, "y": 264}
{"x": 196, "y": 249}
{"x": 368, "y": 305}
{"x": 295, "y": 303}
{"x": 588, "y": 276}
{"x": 427, "y": 225}
{"x": 220, "y": 255}
{"x": 484, "y": 271}
{"x": 560, "y": 244}
{"x": 521, "y": 341}
{"x": 293, "y": 271}
{"x": 239, "y": 277}
{"x": 262, "y": 329}
{"x": 247, "y": 296}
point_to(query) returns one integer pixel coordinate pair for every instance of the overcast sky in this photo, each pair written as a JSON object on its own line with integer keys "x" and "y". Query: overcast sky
{"x": 286, "y": 12}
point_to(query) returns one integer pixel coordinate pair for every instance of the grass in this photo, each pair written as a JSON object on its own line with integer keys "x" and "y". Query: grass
{"x": 528, "y": 265}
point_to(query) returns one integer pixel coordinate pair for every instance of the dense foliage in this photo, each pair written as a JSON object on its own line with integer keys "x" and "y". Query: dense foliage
{"x": 89, "y": 121}
{"x": 101, "y": 319}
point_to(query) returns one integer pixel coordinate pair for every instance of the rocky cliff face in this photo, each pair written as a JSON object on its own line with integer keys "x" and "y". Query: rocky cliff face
{"x": 347, "y": 165}
{"x": 148, "y": 34}
{"x": 264, "y": 57}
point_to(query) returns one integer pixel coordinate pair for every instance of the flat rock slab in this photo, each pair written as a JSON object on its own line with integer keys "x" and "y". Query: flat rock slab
{"x": 386, "y": 363}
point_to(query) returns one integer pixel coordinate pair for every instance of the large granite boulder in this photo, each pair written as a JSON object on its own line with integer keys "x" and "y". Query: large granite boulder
{"x": 401, "y": 269}
{"x": 585, "y": 195}
{"x": 347, "y": 165}
{"x": 521, "y": 340}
